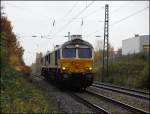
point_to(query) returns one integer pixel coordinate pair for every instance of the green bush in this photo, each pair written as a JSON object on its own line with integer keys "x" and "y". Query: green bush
{"x": 131, "y": 71}
{"x": 19, "y": 96}
{"x": 143, "y": 79}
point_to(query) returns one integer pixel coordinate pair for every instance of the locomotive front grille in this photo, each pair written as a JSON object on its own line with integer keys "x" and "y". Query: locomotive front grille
{"x": 76, "y": 66}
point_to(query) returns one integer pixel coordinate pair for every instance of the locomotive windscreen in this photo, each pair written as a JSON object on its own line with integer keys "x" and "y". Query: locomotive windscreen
{"x": 85, "y": 52}
{"x": 69, "y": 53}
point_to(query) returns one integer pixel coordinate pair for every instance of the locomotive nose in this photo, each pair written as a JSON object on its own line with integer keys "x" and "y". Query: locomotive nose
{"x": 76, "y": 66}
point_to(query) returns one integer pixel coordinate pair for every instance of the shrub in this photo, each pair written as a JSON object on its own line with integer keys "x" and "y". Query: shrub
{"x": 131, "y": 71}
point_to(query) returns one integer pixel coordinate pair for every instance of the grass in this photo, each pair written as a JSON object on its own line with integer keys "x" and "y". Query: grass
{"x": 131, "y": 71}
{"x": 20, "y": 96}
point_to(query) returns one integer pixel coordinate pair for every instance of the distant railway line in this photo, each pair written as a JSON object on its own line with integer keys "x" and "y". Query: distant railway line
{"x": 131, "y": 92}
{"x": 105, "y": 105}
{"x": 130, "y": 108}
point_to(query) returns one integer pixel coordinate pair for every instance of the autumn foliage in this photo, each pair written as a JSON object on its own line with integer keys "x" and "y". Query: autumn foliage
{"x": 18, "y": 93}
{"x": 25, "y": 69}
{"x": 14, "y": 55}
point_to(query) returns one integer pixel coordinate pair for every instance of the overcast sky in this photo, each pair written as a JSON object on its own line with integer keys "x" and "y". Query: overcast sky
{"x": 126, "y": 18}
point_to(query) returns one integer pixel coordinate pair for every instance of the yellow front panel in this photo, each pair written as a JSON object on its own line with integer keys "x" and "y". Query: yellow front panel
{"x": 76, "y": 65}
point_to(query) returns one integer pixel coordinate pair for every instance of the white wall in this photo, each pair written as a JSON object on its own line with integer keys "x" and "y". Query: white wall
{"x": 131, "y": 45}
{"x": 144, "y": 40}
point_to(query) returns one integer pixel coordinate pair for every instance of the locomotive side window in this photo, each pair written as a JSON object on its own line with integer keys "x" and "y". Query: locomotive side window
{"x": 85, "y": 52}
{"x": 56, "y": 56}
{"x": 49, "y": 58}
{"x": 45, "y": 60}
{"x": 69, "y": 53}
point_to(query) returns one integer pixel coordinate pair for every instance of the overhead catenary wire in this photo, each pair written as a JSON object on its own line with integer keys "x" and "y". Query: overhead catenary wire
{"x": 53, "y": 21}
{"x": 101, "y": 10}
{"x": 114, "y": 11}
{"x": 133, "y": 14}
{"x": 118, "y": 9}
{"x": 67, "y": 14}
{"x": 70, "y": 11}
{"x": 90, "y": 14}
{"x": 46, "y": 17}
{"x": 65, "y": 26}
{"x": 34, "y": 36}
{"x": 93, "y": 12}
{"x": 29, "y": 12}
{"x": 98, "y": 9}
{"x": 116, "y": 22}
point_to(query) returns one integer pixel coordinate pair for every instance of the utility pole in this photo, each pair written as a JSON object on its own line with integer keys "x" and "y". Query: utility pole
{"x": 69, "y": 38}
{"x": 106, "y": 42}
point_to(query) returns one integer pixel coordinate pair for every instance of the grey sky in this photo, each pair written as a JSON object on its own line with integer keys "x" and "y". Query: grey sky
{"x": 36, "y": 17}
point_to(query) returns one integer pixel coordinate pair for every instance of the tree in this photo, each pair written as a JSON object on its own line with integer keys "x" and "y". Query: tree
{"x": 98, "y": 57}
{"x": 14, "y": 50}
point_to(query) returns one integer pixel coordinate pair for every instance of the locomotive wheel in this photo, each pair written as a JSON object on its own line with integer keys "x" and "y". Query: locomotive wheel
{"x": 83, "y": 88}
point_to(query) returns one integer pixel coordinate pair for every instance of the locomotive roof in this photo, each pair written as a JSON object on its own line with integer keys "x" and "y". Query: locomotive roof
{"x": 77, "y": 41}
{"x": 71, "y": 42}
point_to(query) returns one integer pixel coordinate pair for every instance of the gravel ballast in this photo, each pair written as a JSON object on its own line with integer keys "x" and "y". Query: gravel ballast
{"x": 65, "y": 103}
{"x": 133, "y": 101}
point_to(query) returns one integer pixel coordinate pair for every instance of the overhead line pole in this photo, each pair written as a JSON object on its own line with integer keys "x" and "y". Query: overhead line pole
{"x": 122, "y": 19}
{"x": 106, "y": 42}
{"x": 69, "y": 37}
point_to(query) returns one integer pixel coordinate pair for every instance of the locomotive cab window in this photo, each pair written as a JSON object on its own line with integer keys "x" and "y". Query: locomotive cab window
{"x": 85, "y": 52}
{"x": 69, "y": 53}
{"x": 57, "y": 56}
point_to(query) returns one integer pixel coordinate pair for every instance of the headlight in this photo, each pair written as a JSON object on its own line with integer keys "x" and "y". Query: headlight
{"x": 64, "y": 68}
{"x": 90, "y": 68}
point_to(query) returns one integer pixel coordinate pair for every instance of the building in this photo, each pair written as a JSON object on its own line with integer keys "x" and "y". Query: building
{"x": 136, "y": 44}
{"x": 38, "y": 63}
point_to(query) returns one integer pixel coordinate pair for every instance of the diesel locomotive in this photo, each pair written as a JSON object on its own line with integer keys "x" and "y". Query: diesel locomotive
{"x": 71, "y": 63}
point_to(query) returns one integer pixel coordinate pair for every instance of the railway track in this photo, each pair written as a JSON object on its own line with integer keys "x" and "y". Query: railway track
{"x": 94, "y": 107}
{"x": 99, "y": 108}
{"x": 126, "y": 91}
{"x": 36, "y": 76}
{"x": 132, "y": 109}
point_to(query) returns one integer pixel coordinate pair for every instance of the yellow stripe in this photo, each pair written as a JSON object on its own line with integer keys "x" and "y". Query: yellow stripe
{"x": 76, "y": 65}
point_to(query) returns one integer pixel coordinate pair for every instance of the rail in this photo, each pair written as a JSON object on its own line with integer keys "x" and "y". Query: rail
{"x": 131, "y": 92}
{"x": 124, "y": 105}
{"x": 94, "y": 107}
